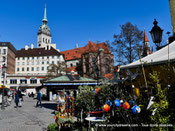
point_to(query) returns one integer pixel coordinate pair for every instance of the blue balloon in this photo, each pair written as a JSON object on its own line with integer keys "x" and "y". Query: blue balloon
{"x": 136, "y": 109}
{"x": 109, "y": 102}
{"x": 131, "y": 102}
{"x": 117, "y": 102}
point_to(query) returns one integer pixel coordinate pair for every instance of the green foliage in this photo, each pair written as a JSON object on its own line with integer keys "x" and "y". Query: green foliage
{"x": 85, "y": 100}
{"x": 161, "y": 115}
{"x": 52, "y": 127}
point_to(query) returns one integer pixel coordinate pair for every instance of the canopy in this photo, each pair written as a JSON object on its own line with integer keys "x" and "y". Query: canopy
{"x": 158, "y": 57}
{"x": 5, "y": 87}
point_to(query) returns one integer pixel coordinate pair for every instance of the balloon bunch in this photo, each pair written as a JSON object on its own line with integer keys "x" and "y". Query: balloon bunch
{"x": 119, "y": 103}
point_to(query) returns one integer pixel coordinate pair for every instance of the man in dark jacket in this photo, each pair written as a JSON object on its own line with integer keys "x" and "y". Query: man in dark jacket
{"x": 38, "y": 99}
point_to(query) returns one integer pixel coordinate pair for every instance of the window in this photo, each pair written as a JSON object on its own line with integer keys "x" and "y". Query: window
{"x": 18, "y": 58}
{"x": 17, "y": 69}
{"x": 58, "y": 62}
{"x": 53, "y": 57}
{"x": 43, "y": 62}
{"x": 43, "y": 39}
{"x": 47, "y": 62}
{"x": 27, "y": 68}
{"x": 53, "y": 62}
{"x": 23, "y": 69}
{"x": 13, "y": 81}
{"x": 23, "y": 63}
{"x": 27, "y": 58}
{"x": 42, "y": 68}
{"x": 23, "y": 81}
{"x": 42, "y": 57}
{"x": 48, "y": 41}
{"x": 37, "y": 68}
{"x": 23, "y": 58}
{"x": 32, "y": 57}
{"x": 37, "y": 57}
{"x": 71, "y": 64}
{"x": 4, "y": 51}
{"x": 33, "y": 81}
{"x": 38, "y": 63}
{"x": 4, "y": 59}
{"x": 32, "y": 69}
{"x": 47, "y": 57}
{"x": 27, "y": 63}
{"x": 32, "y": 62}
{"x": 77, "y": 64}
{"x": 18, "y": 63}
{"x": 58, "y": 57}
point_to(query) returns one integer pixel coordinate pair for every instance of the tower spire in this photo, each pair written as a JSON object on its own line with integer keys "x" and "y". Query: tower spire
{"x": 145, "y": 37}
{"x": 45, "y": 17}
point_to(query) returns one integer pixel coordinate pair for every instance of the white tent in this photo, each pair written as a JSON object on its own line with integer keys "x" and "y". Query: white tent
{"x": 158, "y": 57}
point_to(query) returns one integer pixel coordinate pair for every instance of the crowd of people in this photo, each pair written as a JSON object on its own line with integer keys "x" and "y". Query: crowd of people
{"x": 17, "y": 97}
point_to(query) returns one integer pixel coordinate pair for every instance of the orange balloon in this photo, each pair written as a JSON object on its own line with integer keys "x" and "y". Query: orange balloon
{"x": 106, "y": 107}
{"x": 126, "y": 105}
{"x": 97, "y": 90}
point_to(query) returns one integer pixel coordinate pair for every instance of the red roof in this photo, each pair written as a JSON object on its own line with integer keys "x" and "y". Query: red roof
{"x": 90, "y": 47}
{"x": 145, "y": 37}
{"x": 109, "y": 76}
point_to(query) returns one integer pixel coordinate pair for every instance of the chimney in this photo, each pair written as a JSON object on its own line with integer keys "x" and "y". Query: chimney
{"x": 26, "y": 47}
{"x": 77, "y": 45}
{"x": 32, "y": 46}
{"x": 49, "y": 46}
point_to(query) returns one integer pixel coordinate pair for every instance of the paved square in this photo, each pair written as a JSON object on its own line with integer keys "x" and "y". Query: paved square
{"x": 27, "y": 117}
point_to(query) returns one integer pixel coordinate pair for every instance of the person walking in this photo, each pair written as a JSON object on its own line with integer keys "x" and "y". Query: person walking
{"x": 38, "y": 99}
{"x": 16, "y": 99}
{"x": 20, "y": 98}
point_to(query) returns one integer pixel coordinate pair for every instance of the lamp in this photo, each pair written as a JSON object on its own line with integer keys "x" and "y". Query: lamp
{"x": 4, "y": 68}
{"x": 156, "y": 34}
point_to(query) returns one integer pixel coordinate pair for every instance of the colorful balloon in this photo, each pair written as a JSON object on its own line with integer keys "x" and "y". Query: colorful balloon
{"x": 136, "y": 109}
{"x": 126, "y": 105}
{"x": 109, "y": 103}
{"x": 97, "y": 90}
{"x": 117, "y": 103}
{"x": 106, "y": 107}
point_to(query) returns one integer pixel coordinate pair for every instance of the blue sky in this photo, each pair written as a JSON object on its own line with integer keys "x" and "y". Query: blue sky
{"x": 78, "y": 21}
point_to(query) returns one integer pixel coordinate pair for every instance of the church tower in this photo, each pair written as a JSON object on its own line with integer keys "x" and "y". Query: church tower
{"x": 146, "y": 46}
{"x": 44, "y": 35}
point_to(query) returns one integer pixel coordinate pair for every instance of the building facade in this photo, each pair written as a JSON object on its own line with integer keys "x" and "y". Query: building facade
{"x": 87, "y": 60}
{"x": 7, "y": 59}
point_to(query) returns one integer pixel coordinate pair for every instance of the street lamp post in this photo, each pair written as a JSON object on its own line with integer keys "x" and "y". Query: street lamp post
{"x": 3, "y": 74}
{"x": 156, "y": 34}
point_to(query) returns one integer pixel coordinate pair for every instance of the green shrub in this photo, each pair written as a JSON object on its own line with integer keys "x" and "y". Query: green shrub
{"x": 52, "y": 127}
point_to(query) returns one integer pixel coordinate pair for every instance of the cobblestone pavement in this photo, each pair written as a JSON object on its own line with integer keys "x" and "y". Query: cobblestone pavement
{"x": 27, "y": 117}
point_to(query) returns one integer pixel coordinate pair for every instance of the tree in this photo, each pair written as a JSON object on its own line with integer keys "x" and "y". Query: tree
{"x": 126, "y": 44}
{"x": 56, "y": 70}
{"x": 160, "y": 106}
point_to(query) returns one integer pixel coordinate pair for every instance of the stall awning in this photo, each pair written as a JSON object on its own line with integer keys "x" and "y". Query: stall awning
{"x": 55, "y": 84}
{"x": 5, "y": 87}
{"x": 158, "y": 57}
